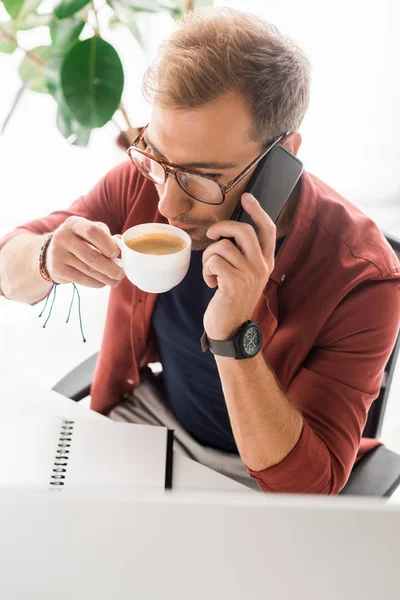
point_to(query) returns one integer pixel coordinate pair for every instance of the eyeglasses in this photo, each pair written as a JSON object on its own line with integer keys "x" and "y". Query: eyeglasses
{"x": 198, "y": 186}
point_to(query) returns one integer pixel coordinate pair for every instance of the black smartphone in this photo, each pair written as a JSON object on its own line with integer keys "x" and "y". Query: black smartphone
{"x": 272, "y": 183}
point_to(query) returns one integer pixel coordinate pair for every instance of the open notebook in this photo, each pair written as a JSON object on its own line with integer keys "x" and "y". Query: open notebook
{"x": 59, "y": 453}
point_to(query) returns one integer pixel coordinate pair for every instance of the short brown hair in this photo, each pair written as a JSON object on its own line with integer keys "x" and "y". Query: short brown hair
{"x": 217, "y": 50}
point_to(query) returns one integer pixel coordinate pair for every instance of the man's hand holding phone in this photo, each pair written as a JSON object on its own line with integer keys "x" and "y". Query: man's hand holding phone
{"x": 241, "y": 272}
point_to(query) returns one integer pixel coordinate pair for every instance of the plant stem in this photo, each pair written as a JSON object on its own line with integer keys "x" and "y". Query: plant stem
{"x": 189, "y": 5}
{"x": 125, "y": 115}
{"x": 14, "y": 104}
{"x": 96, "y": 28}
{"x": 114, "y": 122}
{"x": 27, "y": 53}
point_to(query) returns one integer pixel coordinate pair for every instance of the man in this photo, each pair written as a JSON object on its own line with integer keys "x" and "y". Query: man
{"x": 323, "y": 285}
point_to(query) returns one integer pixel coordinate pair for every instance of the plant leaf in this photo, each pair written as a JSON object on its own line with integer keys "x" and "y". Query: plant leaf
{"x": 150, "y": 6}
{"x": 52, "y": 72}
{"x": 65, "y": 33}
{"x": 32, "y": 74}
{"x": 92, "y": 80}
{"x": 29, "y": 7}
{"x": 181, "y": 4}
{"x": 6, "y": 45}
{"x": 34, "y": 20}
{"x": 114, "y": 22}
{"x": 75, "y": 133}
{"x": 176, "y": 14}
{"x": 127, "y": 16}
{"x": 13, "y": 7}
{"x": 153, "y": 6}
{"x": 67, "y": 8}
{"x": 28, "y": 18}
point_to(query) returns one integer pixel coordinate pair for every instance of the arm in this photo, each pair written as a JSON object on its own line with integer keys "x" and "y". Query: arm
{"x": 265, "y": 424}
{"x": 333, "y": 392}
{"x": 19, "y": 269}
{"x": 19, "y": 251}
{"x": 330, "y": 395}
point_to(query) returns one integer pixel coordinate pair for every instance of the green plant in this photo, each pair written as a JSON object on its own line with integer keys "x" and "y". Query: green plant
{"x": 80, "y": 69}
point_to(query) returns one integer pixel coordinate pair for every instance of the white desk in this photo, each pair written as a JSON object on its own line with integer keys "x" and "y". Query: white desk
{"x": 197, "y": 546}
{"x": 21, "y": 396}
{"x": 185, "y": 544}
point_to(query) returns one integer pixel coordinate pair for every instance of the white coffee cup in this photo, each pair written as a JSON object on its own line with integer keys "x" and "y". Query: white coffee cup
{"x": 155, "y": 273}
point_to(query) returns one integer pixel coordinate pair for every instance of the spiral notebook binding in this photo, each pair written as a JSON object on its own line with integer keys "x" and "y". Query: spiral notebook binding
{"x": 60, "y": 464}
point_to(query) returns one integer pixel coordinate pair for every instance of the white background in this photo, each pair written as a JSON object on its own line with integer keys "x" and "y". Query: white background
{"x": 351, "y": 140}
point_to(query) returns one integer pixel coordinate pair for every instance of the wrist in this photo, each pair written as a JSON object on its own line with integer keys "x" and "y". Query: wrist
{"x": 246, "y": 342}
{"x": 226, "y": 332}
{"x": 43, "y": 259}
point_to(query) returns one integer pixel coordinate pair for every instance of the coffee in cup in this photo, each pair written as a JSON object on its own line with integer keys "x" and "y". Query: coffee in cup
{"x": 157, "y": 243}
{"x": 154, "y": 256}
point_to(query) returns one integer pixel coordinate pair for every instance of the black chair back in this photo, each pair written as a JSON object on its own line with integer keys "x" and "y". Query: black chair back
{"x": 376, "y": 413}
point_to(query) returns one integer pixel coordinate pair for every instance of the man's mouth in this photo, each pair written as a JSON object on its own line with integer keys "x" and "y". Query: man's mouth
{"x": 187, "y": 228}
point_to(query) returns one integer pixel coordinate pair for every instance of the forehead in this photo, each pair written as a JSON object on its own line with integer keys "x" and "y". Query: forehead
{"x": 219, "y": 130}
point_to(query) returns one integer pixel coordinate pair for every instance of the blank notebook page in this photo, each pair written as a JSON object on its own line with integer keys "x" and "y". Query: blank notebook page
{"x": 27, "y": 450}
{"x": 84, "y": 453}
{"x": 117, "y": 454}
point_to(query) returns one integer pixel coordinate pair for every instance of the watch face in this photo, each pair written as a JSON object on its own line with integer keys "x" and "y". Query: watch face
{"x": 251, "y": 342}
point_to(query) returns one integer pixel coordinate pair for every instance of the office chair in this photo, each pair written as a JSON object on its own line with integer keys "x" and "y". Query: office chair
{"x": 376, "y": 474}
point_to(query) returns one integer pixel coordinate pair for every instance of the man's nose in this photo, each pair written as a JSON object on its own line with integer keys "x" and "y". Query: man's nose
{"x": 173, "y": 200}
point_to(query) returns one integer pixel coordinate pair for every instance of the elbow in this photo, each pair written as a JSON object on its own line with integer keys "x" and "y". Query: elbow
{"x": 310, "y": 468}
{"x": 329, "y": 485}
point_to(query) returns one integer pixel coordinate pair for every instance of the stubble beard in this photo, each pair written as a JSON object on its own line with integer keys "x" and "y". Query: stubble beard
{"x": 200, "y": 244}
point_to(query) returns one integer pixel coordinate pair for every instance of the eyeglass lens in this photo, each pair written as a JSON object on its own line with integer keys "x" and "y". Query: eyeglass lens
{"x": 200, "y": 188}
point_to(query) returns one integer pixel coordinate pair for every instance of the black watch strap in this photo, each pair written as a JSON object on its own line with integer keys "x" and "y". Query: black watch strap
{"x": 246, "y": 343}
{"x": 221, "y": 348}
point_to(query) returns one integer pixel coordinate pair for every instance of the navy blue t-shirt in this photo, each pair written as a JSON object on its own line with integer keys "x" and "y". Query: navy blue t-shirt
{"x": 192, "y": 386}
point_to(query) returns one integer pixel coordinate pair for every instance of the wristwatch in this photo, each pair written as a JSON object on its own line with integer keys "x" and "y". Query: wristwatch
{"x": 246, "y": 342}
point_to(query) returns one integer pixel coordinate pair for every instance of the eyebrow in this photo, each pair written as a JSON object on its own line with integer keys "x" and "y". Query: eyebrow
{"x": 194, "y": 165}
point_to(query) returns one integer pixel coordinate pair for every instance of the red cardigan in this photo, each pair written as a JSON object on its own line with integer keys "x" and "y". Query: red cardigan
{"x": 329, "y": 314}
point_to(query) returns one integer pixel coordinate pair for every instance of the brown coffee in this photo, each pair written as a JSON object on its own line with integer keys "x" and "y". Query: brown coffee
{"x": 157, "y": 243}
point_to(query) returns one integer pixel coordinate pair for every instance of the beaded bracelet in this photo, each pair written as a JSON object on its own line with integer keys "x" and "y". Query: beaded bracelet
{"x": 42, "y": 259}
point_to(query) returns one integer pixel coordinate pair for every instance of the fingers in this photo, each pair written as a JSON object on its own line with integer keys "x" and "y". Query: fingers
{"x": 243, "y": 233}
{"x": 217, "y": 271}
{"x": 97, "y": 234}
{"x": 80, "y": 252}
{"x": 70, "y": 275}
{"x": 226, "y": 250}
{"x": 251, "y": 243}
{"x": 92, "y": 273}
{"x": 95, "y": 261}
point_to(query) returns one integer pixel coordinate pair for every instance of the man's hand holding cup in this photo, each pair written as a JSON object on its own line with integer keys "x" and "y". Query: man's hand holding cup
{"x": 81, "y": 251}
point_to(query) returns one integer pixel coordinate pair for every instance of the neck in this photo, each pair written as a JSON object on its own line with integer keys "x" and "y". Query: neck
{"x": 285, "y": 220}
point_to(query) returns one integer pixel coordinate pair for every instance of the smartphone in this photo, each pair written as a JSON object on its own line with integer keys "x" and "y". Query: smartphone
{"x": 272, "y": 183}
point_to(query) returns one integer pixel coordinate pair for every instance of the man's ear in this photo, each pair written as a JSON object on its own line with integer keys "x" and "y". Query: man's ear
{"x": 293, "y": 142}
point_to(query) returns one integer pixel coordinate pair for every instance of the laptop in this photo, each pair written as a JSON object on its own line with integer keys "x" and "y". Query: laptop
{"x": 115, "y": 545}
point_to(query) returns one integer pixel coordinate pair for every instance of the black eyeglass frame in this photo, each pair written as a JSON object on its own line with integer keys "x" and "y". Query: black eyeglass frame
{"x": 171, "y": 168}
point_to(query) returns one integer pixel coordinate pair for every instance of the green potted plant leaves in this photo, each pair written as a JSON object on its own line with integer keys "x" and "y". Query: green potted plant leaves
{"x": 80, "y": 69}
